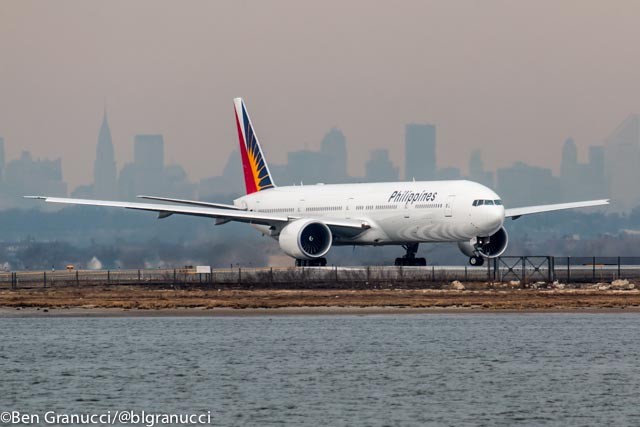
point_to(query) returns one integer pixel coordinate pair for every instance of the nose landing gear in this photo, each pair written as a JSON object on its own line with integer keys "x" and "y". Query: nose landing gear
{"x": 410, "y": 258}
{"x": 476, "y": 261}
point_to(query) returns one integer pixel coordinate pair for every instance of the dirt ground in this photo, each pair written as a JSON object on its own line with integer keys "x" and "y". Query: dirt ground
{"x": 146, "y": 298}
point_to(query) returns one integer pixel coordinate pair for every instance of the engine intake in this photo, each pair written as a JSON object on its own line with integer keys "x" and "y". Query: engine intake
{"x": 488, "y": 247}
{"x": 305, "y": 239}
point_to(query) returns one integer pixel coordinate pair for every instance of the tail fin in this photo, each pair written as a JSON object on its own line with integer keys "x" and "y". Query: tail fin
{"x": 256, "y": 172}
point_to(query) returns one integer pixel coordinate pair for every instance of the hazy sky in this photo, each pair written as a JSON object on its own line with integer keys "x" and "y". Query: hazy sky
{"x": 512, "y": 77}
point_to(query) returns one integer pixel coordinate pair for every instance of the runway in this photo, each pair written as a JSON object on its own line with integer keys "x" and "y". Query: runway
{"x": 525, "y": 270}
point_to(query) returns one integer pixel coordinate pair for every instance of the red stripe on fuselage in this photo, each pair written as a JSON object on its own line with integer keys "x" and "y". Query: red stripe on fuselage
{"x": 249, "y": 181}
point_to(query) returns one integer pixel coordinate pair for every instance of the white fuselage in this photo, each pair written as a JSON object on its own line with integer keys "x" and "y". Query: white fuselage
{"x": 397, "y": 212}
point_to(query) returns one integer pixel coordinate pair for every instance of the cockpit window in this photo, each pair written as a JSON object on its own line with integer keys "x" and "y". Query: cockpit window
{"x": 487, "y": 202}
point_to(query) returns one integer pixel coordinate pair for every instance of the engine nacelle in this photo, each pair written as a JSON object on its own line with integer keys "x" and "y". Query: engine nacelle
{"x": 305, "y": 239}
{"x": 488, "y": 247}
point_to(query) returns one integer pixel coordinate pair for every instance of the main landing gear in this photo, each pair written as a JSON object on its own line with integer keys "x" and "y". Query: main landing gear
{"x": 476, "y": 261}
{"x": 410, "y": 258}
{"x": 317, "y": 262}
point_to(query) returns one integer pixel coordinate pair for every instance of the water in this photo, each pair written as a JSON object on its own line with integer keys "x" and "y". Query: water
{"x": 473, "y": 369}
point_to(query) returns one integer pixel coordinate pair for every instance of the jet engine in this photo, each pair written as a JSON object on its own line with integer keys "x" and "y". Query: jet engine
{"x": 305, "y": 239}
{"x": 487, "y": 247}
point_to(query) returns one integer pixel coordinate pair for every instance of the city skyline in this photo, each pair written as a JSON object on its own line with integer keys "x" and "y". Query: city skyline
{"x": 149, "y": 173}
{"x": 104, "y": 134}
{"x": 512, "y": 79}
{"x": 354, "y": 167}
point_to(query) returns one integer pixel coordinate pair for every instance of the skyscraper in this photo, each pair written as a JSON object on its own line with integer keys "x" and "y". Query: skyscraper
{"x": 420, "y": 152}
{"x": 581, "y": 181}
{"x": 334, "y": 147}
{"x": 596, "y": 160}
{"x": 523, "y": 185}
{"x": 476, "y": 170}
{"x": 596, "y": 170}
{"x": 622, "y": 155}
{"x": 569, "y": 162}
{"x": 571, "y": 173}
{"x": 104, "y": 168}
{"x": 148, "y": 152}
{"x": 148, "y": 161}
{"x": 26, "y": 176}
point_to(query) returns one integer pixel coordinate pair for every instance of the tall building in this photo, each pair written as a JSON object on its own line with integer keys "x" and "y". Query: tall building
{"x": 569, "y": 162}
{"x": 104, "y": 169}
{"x": 476, "y": 170}
{"x": 596, "y": 171}
{"x": 524, "y": 185}
{"x": 581, "y": 181}
{"x": 146, "y": 173}
{"x": 622, "y": 156}
{"x": 148, "y": 158}
{"x": 148, "y": 152}
{"x": 379, "y": 167}
{"x": 571, "y": 171}
{"x": 28, "y": 176}
{"x": 334, "y": 147}
{"x": 420, "y": 152}
{"x": 596, "y": 160}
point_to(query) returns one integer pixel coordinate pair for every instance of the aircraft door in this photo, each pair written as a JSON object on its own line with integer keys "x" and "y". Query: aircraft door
{"x": 448, "y": 207}
{"x": 350, "y": 208}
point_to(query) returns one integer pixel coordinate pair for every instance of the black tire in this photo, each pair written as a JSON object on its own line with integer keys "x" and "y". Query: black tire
{"x": 421, "y": 262}
{"x": 476, "y": 261}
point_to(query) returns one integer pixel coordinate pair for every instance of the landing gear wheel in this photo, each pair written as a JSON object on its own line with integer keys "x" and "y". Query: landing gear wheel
{"x": 476, "y": 261}
{"x": 410, "y": 258}
{"x": 317, "y": 262}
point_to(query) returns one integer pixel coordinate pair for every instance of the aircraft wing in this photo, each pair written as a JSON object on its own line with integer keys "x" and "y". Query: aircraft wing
{"x": 222, "y": 214}
{"x": 516, "y": 213}
{"x": 192, "y": 202}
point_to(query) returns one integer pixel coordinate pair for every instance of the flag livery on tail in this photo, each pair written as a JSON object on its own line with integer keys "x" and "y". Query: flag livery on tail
{"x": 256, "y": 172}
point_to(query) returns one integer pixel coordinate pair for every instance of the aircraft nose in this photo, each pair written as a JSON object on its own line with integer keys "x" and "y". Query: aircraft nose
{"x": 489, "y": 219}
{"x": 494, "y": 217}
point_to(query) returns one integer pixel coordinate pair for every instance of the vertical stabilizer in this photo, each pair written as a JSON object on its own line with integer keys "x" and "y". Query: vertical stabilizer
{"x": 256, "y": 172}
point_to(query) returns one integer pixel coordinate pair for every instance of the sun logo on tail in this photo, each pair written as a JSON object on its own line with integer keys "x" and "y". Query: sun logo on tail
{"x": 256, "y": 172}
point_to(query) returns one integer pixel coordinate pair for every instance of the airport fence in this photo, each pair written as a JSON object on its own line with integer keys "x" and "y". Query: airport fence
{"x": 524, "y": 269}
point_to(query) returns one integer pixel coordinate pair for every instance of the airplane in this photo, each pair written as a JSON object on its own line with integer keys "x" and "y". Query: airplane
{"x": 308, "y": 220}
